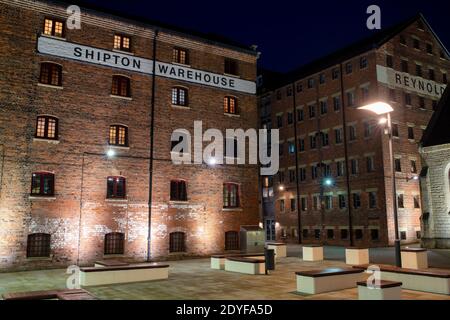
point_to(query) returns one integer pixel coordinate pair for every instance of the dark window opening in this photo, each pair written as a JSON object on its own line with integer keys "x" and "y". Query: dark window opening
{"x": 121, "y": 86}
{"x": 51, "y": 74}
{"x": 231, "y": 195}
{"x": 177, "y": 242}
{"x": 38, "y": 245}
{"x": 116, "y": 188}
{"x": 178, "y": 190}
{"x": 43, "y": 184}
{"x": 114, "y": 243}
{"x": 231, "y": 240}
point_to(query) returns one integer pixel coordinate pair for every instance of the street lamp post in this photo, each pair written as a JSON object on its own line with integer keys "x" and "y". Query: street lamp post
{"x": 381, "y": 108}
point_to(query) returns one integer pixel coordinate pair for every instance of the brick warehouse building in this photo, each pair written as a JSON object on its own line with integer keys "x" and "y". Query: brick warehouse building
{"x": 405, "y": 65}
{"x": 76, "y": 133}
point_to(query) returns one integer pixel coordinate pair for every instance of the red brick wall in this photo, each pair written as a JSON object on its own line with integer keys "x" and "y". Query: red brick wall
{"x": 85, "y": 110}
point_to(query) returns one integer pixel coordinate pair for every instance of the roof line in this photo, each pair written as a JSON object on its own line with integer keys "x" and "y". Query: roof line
{"x": 175, "y": 30}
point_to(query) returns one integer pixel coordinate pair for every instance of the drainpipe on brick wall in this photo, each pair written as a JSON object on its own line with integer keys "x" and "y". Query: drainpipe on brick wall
{"x": 3, "y": 167}
{"x": 81, "y": 209}
{"x": 299, "y": 215}
{"x": 347, "y": 173}
{"x": 152, "y": 135}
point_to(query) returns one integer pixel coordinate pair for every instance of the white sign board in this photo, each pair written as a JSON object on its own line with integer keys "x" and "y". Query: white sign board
{"x": 408, "y": 82}
{"x": 113, "y": 59}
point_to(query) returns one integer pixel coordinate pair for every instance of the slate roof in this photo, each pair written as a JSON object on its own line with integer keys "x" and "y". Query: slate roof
{"x": 211, "y": 38}
{"x": 438, "y": 130}
{"x": 357, "y": 48}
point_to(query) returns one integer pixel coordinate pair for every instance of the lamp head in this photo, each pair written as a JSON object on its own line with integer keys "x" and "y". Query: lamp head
{"x": 378, "y": 108}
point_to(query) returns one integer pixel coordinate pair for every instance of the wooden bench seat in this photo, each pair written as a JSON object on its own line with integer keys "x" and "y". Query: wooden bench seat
{"x": 427, "y": 280}
{"x": 384, "y": 290}
{"x": 247, "y": 265}
{"x": 218, "y": 260}
{"x": 327, "y": 280}
{"x": 73, "y": 294}
{"x": 94, "y": 276}
{"x": 110, "y": 263}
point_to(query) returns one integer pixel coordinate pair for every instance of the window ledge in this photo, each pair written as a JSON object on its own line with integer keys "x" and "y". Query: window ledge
{"x": 182, "y": 64}
{"x": 232, "y": 115}
{"x": 119, "y": 147}
{"x": 49, "y": 86}
{"x": 232, "y": 209}
{"x": 53, "y": 37}
{"x": 117, "y": 200}
{"x": 231, "y": 75}
{"x": 43, "y": 198}
{"x": 106, "y": 256}
{"x": 178, "y": 202}
{"x": 181, "y": 107}
{"x": 412, "y": 140}
{"x": 46, "y": 140}
{"x": 40, "y": 259}
{"x": 120, "y": 97}
{"x": 123, "y": 52}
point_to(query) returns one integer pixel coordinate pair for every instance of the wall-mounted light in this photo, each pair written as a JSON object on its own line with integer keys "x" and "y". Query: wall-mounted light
{"x": 281, "y": 188}
{"x": 110, "y": 153}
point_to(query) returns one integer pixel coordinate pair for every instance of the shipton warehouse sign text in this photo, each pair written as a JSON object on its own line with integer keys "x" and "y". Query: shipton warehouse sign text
{"x": 408, "y": 82}
{"x": 128, "y": 62}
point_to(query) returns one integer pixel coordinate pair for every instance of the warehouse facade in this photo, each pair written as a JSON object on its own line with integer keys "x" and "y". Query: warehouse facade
{"x": 85, "y": 139}
{"x": 334, "y": 185}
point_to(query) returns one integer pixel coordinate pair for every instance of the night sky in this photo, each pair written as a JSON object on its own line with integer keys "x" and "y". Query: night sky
{"x": 288, "y": 33}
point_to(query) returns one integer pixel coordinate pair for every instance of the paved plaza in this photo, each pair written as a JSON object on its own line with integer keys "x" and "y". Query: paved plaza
{"x": 194, "y": 280}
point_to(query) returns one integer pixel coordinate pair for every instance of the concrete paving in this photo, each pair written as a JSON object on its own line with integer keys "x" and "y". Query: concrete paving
{"x": 194, "y": 280}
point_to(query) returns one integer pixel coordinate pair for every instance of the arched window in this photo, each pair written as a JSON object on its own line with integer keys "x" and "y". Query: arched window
{"x": 114, "y": 243}
{"x": 177, "y": 242}
{"x": 231, "y": 240}
{"x": 116, "y": 188}
{"x": 38, "y": 245}
{"x": 43, "y": 184}
{"x": 231, "y": 195}
{"x": 179, "y": 96}
{"x": 51, "y": 74}
{"x": 230, "y": 105}
{"x": 47, "y": 128}
{"x": 118, "y": 135}
{"x": 121, "y": 86}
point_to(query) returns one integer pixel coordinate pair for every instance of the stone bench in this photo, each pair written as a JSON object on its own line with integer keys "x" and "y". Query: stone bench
{"x": 66, "y": 294}
{"x": 385, "y": 290}
{"x": 356, "y": 256}
{"x": 427, "y": 280}
{"x": 95, "y": 276}
{"x": 312, "y": 252}
{"x": 280, "y": 249}
{"x": 328, "y": 280}
{"x": 414, "y": 258}
{"x": 245, "y": 265}
{"x": 218, "y": 260}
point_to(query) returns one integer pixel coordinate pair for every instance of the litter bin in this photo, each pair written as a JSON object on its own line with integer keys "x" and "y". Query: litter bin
{"x": 269, "y": 255}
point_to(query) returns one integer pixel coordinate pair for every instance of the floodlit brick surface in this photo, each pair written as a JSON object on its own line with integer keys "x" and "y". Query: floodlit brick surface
{"x": 79, "y": 216}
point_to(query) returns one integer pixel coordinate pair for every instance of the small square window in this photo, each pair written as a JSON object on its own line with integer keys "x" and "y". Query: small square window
{"x": 122, "y": 43}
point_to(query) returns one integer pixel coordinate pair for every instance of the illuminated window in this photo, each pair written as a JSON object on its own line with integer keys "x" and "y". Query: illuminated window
{"x": 38, "y": 245}
{"x": 179, "y": 97}
{"x": 46, "y": 128}
{"x": 121, "y": 86}
{"x": 122, "y": 43}
{"x": 180, "y": 56}
{"x": 116, "y": 188}
{"x": 51, "y": 74}
{"x": 118, "y": 135}
{"x": 178, "y": 190}
{"x": 43, "y": 184}
{"x": 114, "y": 243}
{"x": 231, "y": 195}
{"x": 230, "y": 105}
{"x": 177, "y": 242}
{"x": 231, "y": 67}
{"x": 54, "y": 28}
{"x": 231, "y": 240}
